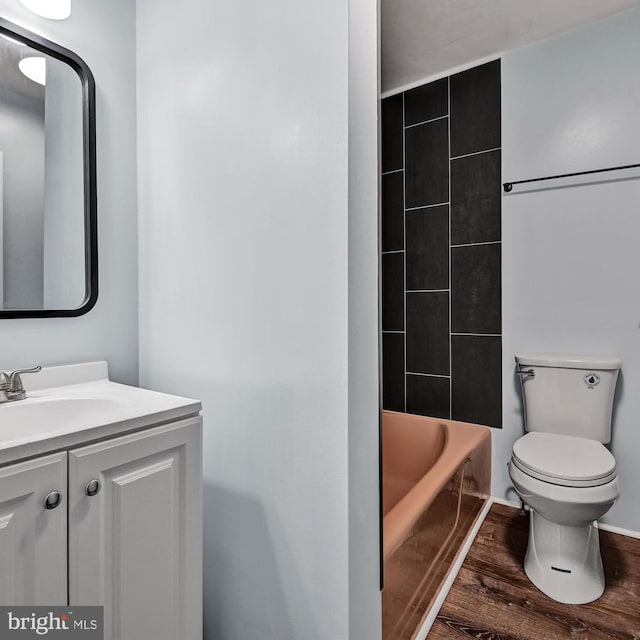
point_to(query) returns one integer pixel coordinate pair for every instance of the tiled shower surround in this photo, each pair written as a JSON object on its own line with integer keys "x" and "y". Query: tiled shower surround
{"x": 441, "y": 248}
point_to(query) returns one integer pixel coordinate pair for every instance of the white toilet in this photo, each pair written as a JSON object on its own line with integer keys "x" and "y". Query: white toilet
{"x": 563, "y": 471}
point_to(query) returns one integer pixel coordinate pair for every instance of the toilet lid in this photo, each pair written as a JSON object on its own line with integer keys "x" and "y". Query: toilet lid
{"x": 564, "y": 460}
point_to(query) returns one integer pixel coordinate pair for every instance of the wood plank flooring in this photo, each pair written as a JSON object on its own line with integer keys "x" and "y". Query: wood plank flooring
{"x": 492, "y": 598}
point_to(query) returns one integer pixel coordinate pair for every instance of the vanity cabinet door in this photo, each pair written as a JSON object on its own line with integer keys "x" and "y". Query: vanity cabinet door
{"x": 135, "y": 545}
{"x": 33, "y": 532}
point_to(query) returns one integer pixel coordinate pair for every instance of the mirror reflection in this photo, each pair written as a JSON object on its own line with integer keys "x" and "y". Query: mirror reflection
{"x": 42, "y": 202}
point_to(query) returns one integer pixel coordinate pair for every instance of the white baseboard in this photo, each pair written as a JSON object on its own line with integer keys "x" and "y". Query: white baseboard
{"x": 506, "y": 503}
{"x": 619, "y": 530}
{"x": 453, "y": 573}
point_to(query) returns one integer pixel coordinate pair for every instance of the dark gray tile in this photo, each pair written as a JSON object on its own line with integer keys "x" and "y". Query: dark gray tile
{"x": 393, "y": 371}
{"x": 476, "y": 198}
{"x": 428, "y": 332}
{"x": 392, "y": 211}
{"x": 393, "y": 292}
{"x": 475, "y": 109}
{"x": 428, "y": 396}
{"x": 476, "y": 289}
{"x": 428, "y": 248}
{"x": 392, "y": 132}
{"x": 476, "y": 379}
{"x": 427, "y": 158}
{"x": 426, "y": 102}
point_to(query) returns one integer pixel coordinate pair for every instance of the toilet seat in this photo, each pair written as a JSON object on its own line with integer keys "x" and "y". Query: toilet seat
{"x": 562, "y": 460}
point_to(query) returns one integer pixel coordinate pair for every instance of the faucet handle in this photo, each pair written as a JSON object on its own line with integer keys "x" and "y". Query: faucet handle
{"x": 15, "y": 381}
{"x": 4, "y": 381}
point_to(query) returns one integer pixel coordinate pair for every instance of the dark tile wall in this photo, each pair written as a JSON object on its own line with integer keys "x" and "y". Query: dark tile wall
{"x": 441, "y": 248}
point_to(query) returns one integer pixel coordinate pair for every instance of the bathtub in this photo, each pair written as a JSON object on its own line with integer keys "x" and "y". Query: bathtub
{"x": 436, "y": 477}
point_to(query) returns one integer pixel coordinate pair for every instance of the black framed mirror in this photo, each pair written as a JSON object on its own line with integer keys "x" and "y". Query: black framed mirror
{"x": 48, "y": 204}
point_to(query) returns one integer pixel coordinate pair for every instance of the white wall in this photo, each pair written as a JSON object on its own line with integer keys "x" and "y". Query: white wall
{"x": 570, "y": 253}
{"x": 365, "y": 618}
{"x": 243, "y": 113}
{"x": 103, "y": 34}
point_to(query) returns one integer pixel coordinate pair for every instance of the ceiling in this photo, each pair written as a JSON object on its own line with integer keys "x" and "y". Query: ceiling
{"x": 426, "y": 38}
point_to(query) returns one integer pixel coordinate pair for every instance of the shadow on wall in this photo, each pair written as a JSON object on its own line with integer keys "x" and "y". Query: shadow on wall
{"x": 617, "y": 400}
{"x": 241, "y": 573}
{"x": 510, "y": 493}
{"x": 517, "y": 387}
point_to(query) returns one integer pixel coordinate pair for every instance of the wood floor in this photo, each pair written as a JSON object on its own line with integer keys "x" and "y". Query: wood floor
{"x": 492, "y": 599}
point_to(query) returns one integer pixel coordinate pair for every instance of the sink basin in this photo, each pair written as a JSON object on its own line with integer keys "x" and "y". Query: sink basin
{"x": 72, "y": 405}
{"x": 26, "y": 418}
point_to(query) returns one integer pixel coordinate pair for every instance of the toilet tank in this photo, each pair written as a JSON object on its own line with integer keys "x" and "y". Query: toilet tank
{"x": 569, "y": 395}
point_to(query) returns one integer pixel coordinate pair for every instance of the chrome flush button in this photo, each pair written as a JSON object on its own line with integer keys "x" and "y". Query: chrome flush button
{"x": 591, "y": 380}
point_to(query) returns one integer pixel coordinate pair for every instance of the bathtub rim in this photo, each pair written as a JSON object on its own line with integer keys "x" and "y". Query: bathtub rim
{"x": 443, "y": 428}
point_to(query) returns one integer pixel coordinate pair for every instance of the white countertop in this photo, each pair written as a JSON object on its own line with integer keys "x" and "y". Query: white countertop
{"x": 72, "y": 405}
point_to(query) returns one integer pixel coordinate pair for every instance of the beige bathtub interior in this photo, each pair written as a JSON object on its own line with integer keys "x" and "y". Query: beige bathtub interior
{"x": 436, "y": 479}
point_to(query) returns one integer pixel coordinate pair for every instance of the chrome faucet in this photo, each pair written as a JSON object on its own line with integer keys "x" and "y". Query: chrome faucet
{"x": 11, "y": 387}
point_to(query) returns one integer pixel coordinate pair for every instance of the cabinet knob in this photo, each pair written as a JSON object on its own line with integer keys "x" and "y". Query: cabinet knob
{"x": 93, "y": 487}
{"x": 52, "y": 500}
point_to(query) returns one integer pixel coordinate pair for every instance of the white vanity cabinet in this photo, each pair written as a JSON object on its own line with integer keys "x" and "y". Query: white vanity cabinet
{"x": 136, "y": 545}
{"x": 116, "y": 523}
{"x": 33, "y": 538}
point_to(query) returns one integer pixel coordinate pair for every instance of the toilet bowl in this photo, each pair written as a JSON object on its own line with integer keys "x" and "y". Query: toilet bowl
{"x": 563, "y": 556}
{"x": 568, "y": 481}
